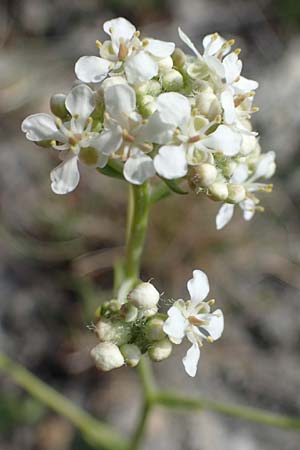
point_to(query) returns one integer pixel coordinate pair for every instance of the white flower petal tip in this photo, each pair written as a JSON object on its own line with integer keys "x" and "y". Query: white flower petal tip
{"x": 119, "y": 28}
{"x": 39, "y": 127}
{"x": 65, "y": 177}
{"x": 91, "y": 69}
{"x": 191, "y": 360}
{"x": 224, "y": 215}
{"x": 80, "y": 102}
{"x": 160, "y": 49}
{"x": 140, "y": 67}
{"x": 198, "y": 286}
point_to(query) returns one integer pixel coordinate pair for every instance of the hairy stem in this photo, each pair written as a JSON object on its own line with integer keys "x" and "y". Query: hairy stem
{"x": 95, "y": 432}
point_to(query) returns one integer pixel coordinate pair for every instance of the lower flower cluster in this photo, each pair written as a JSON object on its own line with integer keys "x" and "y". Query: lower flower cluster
{"x": 130, "y": 328}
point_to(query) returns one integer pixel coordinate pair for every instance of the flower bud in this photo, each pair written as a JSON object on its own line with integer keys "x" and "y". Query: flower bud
{"x": 160, "y": 350}
{"x": 114, "y": 331}
{"x": 107, "y": 356}
{"x": 146, "y": 313}
{"x": 151, "y": 87}
{"x": 178, "y": 57}
{"x": 207, "y": 103}
{"x": 236, "y": 193}
{"x": 131, "y": 353}
{"x": 165, "y": 64}
{"x": 147, "y": 105}
{"x": 172, "y": 80}
{"x": 130, "y": 312}
{"x": 58, "y": 107}
{"x": 248, "y": 144}
{"x": 202, "y": 175}
{"x": 218, "y": 191}
{"x": 144, "y": 296}
{"x": 271, "y": 170}
{"x": 228, "y": 168}
{"x": 154, "y": 329}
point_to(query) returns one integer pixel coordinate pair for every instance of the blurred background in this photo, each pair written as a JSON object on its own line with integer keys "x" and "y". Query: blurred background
{"x": 56, "y": 253}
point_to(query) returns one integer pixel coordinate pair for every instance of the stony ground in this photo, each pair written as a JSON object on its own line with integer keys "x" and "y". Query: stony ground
{"x": 56, "y": 252}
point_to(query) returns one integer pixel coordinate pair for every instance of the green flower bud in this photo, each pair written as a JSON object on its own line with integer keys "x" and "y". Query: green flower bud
{"x": 236, "y": 193}
{"x": 165, "y": 64}
{"x": 131, "y": 353}
{"x": 115, "y": 331}
{"x": 172, "y": 80}
{"x": 228, "y": 168}
{"x": 218, "y": 191}
{"x": 154, "y": 329}
{"x": 151, "y": 87}
{"x": 160, "y": 350}
{"x": 147, "y": 105}
{"x": 178, "y": 57}
{"x": 149, "y": 312}
{"x": 58, "y": 107}
{"x": 144, "y": 296}
{"x": 107, "y": 356}
{"x": 130, "y": 312}
{"x": 202, "y": 175}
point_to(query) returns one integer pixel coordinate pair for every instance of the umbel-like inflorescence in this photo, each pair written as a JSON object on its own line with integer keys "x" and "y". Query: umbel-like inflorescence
{"x": 145, "y": 110}
{"x": 130, "y": 327}
{"x": 160, "y": 112}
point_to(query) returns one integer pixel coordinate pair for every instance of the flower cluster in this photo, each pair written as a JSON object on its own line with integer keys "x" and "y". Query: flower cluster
{"x": 130, "y": 327}
{"x": 160, "y": 112}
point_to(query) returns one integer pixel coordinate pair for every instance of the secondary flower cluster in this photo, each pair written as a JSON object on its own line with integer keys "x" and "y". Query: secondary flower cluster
{"x": 130, "y": 327}
{"x": 160, "y": 112}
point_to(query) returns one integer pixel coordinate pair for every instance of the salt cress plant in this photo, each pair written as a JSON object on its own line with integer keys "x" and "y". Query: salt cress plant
{"x": 163, "y": 121}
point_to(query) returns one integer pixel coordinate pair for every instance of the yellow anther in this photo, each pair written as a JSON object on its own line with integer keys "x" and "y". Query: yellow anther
{"x": 215, "y": 36}
{"x": 110, "y": 30}
{"x": 145, "y": 42}
{"x": 76, "y": 116}
{"x": 137, "y": 33}
{"x": 251, "y": 94}
{"x": 58, "y": 122}
{"x": 255, "y": 109}
{"x": 98, "y": 44}
{"x": 209, "y": 339}
{"x": 237, "y": 51}
{"x": 53, "y": 143}
{"x": 177, "y": 132}
{"x": 231, "y": 42}
{"x": 211, "y": 302}
{"x": 106, "y": 116}
{"x": 218, "y": 118}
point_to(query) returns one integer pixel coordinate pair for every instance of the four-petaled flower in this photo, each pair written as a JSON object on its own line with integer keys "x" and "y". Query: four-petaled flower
{"x": 193, "y": 319}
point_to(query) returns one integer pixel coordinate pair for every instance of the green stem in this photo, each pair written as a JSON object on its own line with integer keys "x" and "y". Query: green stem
{"x": 139, "y": 204}
{"x": 174, "y": 401}
{"x": 141, "y": 426}
{"x": 95, "y": 432}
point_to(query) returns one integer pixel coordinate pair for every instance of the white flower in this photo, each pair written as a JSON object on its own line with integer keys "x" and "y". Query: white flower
{"x": 193, "y": 319}
{"x": 73, "y": 138}
{"x": 265, "y": 168}
{"x": 124, "y": 51}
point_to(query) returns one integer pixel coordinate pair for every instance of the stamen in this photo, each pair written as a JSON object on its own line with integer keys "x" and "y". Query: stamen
{"x": 58, "y": 122}
{"x": 98, "y": 43}
{"x": 209, "y": 339}
{"x": 137, "y": 33}
{"x": 145, "y": 42}
{"x": 211, "y": 302}
{"x": 194, "y": 139}
{"x": 237, "y": 51}
{"x": 215, "y": 36}
{"x": 53, "y": 143}
{"x": 255, "y": 109}
{"x": 195, "y": 321}
{"x": 123, "y": 50}
{"x": 127, "y": 136}
{"x": 231, "y": 42}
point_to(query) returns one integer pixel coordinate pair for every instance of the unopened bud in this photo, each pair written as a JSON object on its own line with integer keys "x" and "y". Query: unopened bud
{"x": 202, "y": 175}
{"x": 154, "y": 329}
{"x": 58, "y": 107}
{"x": 144, "y": 296}
{"x": 228, "y": 168}
{"x": 130, "y": 312}
{"x": 172, "y": 80}
{"x": 151, "y": 87}
{"x": 146, "y": 313}
{"x": 205, "y": 101}
{"x": 271, "y": 170}
{"x": 131, "y": 353}
{"x": 218, "y": 191}
{"x": 107, "y": 356}
{"x": 147, "y": 105}
{"x": 160, "y": 350}
{"x": 236, "y": 193}
{"x": 178, "y": 57}
{"x": 114, "y": 331}
{"x": 249, "y": 143}
{"x": 165, "y": 64}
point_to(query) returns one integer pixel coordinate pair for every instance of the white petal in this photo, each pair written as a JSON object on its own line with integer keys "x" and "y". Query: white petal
{"x": 80, "y": 103}
{"x": 138, "y": 168}
{"x": 212, "y": 46}
{"x": 140, "y": 67}
{"x": 245, "y": 85}
{"x": 188, "y": 42}
{"x": 40, "y": 127}
{"x": 108, "y": 141}
{"x": 240, "y": 173}
{"x": 65, "y": 177}
{"x": 119, "y": 28}
{"x": 160, "y": 49}
{"x": 170, "y": 162}
{"x": 227, "y": 103}
{"x": 174, "y": 108}
{"x": 248, "y": 207}
{"x": 263, "y": 165}
{"x": 156, "y": 131}
{"x": 120, "y": 102}
{"x": 216, "y": 324}
{"x": 91, "y": 69}
{"x": 175, "y": 325}
{"x": 191, "y": 359}
{"x": 233, "y": 66}
{"x": 223, "y": 140}
{"x": 198, "y": 286}
{"x": 224, "y": 215}
{"x": 215, "y": 64}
